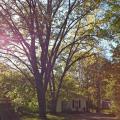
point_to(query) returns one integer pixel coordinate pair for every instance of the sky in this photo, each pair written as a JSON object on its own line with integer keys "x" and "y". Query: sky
{"x": 107, "y": 47}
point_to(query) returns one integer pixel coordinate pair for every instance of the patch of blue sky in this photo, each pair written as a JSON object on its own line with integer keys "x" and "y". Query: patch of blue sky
{"x": 103, "y": 8}
{"x": 107, "y": 47}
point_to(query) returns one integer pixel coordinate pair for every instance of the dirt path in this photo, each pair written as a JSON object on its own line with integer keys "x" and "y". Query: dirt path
{"x": 92, "y": 117}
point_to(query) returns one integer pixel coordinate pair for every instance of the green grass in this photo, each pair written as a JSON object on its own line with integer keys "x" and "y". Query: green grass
{"x": 50, "y": 117}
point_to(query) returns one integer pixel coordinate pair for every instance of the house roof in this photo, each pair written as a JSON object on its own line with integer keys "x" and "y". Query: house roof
{"x": 75, "y": 97}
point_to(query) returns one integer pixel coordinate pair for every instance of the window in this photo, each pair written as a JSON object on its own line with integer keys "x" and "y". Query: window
{"x": 73, "y": 104}
{"x": 76, "y": 103}
{"x": 79, "y": 103}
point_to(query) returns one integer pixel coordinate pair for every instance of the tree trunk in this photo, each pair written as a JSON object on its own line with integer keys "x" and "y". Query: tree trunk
{"x": 98, "y": 110}
{"x": 41, "y": 96}
{"x": 42, "y": 104}
{"x": 88, "y": 105}
{"x": 53, "y": 105}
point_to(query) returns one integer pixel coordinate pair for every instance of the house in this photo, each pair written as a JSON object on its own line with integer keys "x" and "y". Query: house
{"x": 77, "y": 104}
{"x": 106, "y": 104}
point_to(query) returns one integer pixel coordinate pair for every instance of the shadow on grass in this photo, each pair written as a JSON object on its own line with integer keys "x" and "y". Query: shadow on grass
{"x": 87, "y": 116}
{"x": 49, "y": 116}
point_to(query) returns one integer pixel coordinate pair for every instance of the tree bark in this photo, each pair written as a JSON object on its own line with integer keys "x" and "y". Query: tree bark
{"x": 53, "y": 105}
{"x": 41, "y": 96}
{"x": 98, "y": 110}
{"x": 42, "y": 104}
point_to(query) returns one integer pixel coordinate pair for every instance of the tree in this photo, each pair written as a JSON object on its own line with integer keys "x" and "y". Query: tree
{"x": 95, "y": 79}
{"x": 112, "y": 19}
{"x": 35, "y": 33}
{"x": 13, "y": 85}
{"x": 114, "y": 87}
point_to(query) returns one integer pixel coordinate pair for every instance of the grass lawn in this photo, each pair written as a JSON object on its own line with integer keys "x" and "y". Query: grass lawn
{"x": 50, "y": 117}
{"x": 86, "y": 116}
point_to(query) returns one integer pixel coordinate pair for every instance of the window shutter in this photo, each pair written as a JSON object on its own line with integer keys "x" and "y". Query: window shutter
{"x": 79, "y": 103}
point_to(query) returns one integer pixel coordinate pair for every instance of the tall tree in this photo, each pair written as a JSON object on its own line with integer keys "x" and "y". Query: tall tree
{"x": 114, "y": 73}
{"x": 95, "y": 75}
{"x": 35, "y": 33}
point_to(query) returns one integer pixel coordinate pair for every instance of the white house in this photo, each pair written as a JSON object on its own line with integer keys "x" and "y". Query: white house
{"x": 77, "y": 104}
